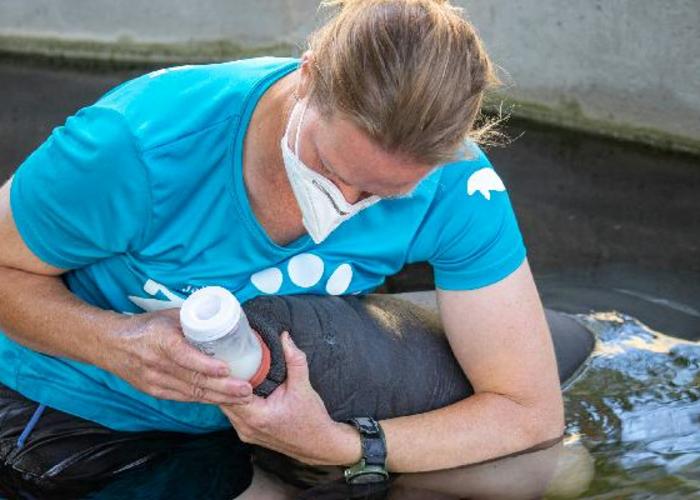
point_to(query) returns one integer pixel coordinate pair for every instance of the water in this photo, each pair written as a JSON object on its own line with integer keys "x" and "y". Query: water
{"x": 636, "y": 409}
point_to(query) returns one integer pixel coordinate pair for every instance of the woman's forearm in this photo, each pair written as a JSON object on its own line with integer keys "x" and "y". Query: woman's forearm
{"x": 41, "y": 313}
{"x": 147, "y": 350}
{"x": 481, "y": 427}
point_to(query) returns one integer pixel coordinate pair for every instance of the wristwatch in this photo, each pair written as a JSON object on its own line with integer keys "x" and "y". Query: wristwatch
{"x": 372, "y": 466}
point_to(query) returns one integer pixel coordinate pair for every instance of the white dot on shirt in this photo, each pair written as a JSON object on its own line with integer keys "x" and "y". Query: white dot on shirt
{"x": 305, "y": 270}
{"x": 340, "y": 280}
{"x": 268, "y": 280}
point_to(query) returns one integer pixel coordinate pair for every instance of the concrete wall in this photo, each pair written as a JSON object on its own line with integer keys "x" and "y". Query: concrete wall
{"x": 629, "y": 68}
{"x": 621, "y": 65}
{"x": 168, "y": 21}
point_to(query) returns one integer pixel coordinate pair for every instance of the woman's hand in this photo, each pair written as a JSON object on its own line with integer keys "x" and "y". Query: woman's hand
{"x": 293, "y": 420}
{"x": 153, "y": 355}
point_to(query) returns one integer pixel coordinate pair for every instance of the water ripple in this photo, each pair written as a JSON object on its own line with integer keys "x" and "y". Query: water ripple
{"x": 636, "y": 408}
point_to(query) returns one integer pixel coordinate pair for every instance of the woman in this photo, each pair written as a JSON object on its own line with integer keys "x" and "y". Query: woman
{"x": 277, "y": 176}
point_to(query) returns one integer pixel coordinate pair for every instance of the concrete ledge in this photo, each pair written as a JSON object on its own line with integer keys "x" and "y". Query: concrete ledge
{"x": 571, "y": 117}
{"x": 126, "y": 53}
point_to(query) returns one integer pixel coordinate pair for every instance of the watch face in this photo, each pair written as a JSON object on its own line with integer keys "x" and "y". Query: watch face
{"x": 368, "y": 477}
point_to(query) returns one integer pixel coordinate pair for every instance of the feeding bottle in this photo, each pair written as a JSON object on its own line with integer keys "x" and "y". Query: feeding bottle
{"x": 214, "y": 322}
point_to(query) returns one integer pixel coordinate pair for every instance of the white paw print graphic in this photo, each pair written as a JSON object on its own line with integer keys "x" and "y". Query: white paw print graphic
{"x": 305, "y": 271}
{"x": 268, "y": 280}
{"x": 484, "y": 181}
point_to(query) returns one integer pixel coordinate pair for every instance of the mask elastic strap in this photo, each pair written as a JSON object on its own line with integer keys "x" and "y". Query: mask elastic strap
{"x": 296, "y": 138}
{"x": 286, "y": 128}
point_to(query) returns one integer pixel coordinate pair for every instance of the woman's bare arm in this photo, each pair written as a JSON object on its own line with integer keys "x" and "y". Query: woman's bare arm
{"x": 36, "y": 308}
{"x": 148, "y": 350}
{"x": 500, "y": 337}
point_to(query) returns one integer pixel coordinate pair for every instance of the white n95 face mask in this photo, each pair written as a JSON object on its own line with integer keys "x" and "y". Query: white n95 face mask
{"x": 323, "y": 206}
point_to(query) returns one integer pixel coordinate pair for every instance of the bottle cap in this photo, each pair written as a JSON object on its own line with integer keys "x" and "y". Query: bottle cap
{"x": 209, "y": 314}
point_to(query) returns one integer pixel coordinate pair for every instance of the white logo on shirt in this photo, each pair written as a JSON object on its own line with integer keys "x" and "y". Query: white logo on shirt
{"x": 149, "y": 304}
{"x": 484, "y": 181}
{"x": 162, "y": 71}
{"x": 305, "y": 271}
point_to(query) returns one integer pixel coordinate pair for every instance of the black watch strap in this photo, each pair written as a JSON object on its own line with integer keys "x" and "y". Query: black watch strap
{"x": 372, "y": 465}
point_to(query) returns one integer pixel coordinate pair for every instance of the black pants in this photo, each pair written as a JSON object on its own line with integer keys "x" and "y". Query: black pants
{"x": 66, "y": 456}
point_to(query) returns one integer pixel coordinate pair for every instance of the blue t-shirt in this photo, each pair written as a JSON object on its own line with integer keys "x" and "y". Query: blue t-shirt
{"x": 141, "y": 196}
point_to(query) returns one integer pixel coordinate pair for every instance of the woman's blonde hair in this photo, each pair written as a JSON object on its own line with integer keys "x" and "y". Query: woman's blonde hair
{"x": 410, "y": 73}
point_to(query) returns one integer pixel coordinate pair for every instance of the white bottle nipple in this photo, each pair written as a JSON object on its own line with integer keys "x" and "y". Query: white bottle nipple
{"x": 209, "y": 314}
{"x": 213, "y": 321}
